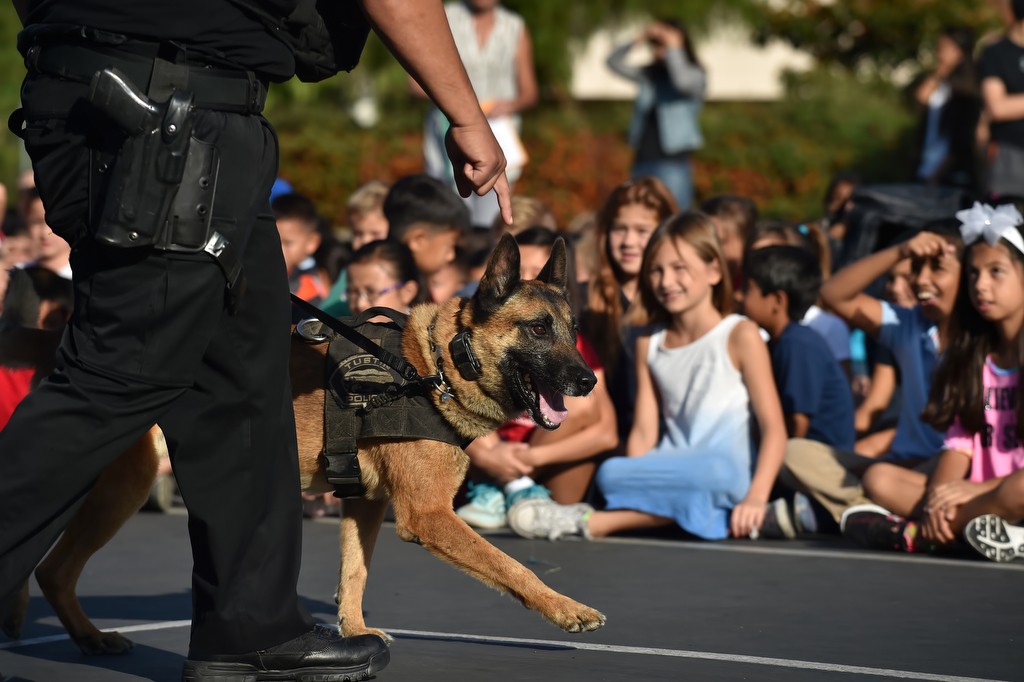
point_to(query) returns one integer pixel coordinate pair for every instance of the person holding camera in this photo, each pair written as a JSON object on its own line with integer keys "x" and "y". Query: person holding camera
{"x": 949, "y": 105}
{"x": 665, "y": 130}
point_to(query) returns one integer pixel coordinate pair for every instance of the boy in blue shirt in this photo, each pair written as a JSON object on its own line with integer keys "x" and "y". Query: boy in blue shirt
{"x": 782, "y": 282}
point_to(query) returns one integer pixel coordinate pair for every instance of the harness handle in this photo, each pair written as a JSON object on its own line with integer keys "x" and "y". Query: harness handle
{"x": 395, "y": 362}
{"x": 398, "y": 318}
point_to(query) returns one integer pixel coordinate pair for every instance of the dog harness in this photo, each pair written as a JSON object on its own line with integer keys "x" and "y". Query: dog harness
{"x": 371, "y": 391}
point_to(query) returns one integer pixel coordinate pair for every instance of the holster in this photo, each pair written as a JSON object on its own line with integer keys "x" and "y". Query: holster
{"x": 163, "y": 181}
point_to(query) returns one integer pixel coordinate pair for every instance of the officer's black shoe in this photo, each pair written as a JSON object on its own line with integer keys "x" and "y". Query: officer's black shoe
{"x": 320, "y": 654}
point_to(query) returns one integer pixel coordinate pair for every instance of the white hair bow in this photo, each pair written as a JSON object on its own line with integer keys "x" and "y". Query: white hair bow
{"x": 992, "y": 224}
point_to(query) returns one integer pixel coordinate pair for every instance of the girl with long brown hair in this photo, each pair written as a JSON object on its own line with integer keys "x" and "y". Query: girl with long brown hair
{"x": 704, "y": 381}
{"x": 626, "y": 221}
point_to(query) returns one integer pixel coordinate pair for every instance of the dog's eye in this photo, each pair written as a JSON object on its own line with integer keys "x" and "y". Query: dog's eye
{"x": 539, "y": 329}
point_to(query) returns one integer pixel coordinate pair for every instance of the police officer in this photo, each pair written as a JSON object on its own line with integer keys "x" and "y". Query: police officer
{"x": 181, "y": 298}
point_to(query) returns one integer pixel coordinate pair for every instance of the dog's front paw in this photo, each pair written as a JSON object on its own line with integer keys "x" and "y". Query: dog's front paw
{"x": 104, "y": 644}
{"x": 572, "y": 616}
{"x": 348, "y": 631}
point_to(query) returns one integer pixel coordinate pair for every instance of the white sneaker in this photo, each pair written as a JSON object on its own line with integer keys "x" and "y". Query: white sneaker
{"x": 861, "y": 509}
{"x": 995, "y": 539}
{"x": 803, "y": 514}
{"x": 486, "y": 507}
{"x": 540, "y": 518}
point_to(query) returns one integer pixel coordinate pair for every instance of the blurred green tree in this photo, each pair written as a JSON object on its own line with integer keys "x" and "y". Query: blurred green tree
{"x": 850, "y": 99}
{"x": 873, "y": 34}
{"x": 12, "y": 71}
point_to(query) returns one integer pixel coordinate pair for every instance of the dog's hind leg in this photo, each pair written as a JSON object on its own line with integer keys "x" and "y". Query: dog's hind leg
{"x": 14, "y": 619}
{"x": 360, "y": 523}
{"x": 119, "y": 492}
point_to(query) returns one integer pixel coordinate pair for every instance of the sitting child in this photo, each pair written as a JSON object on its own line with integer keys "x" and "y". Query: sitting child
{"x": 703, "y": 378}
{"x": 427, "y": 217}
{"x": 527, "y": 462}
{"x": 626, "y": 220}
{"x": 977, "y": 486}
{"x": 36, "y": 299}
{"x": 875, "y": 417}
{"x": 297, "y": 224}
{"x": 365, "y": 212}
{"x": 812, "y": 239}
{"x": 383, "y": 274}
{"x": 450, "y": 279}
{"x": 734, "y": 218}
{"x": 782, "y": 282}
{"x": 17, "y": 245}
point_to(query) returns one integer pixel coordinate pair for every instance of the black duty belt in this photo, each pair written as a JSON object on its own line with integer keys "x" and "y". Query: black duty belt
{"x": 220, "y": 89}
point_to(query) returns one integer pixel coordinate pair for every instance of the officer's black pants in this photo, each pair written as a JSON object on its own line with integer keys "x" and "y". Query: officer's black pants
{"x": 151, "y": 342}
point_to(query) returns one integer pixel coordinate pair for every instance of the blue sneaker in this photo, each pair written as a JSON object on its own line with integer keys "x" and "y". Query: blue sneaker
{"x": 486, "y": 507}
{"x": 534, "y": 492}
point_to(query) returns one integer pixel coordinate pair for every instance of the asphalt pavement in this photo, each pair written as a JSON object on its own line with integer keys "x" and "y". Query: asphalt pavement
{"x": 805, "y": 610}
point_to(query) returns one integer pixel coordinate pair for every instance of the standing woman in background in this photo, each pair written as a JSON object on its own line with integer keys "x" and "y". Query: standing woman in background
{"x": 496, "y": 50}
{"x": 1001, "y": 76}
{"x": 665, "y": 131}
{"x": 952, "y": 104}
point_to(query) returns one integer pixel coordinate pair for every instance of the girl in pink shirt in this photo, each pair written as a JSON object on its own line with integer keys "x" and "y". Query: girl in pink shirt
{"x": 977, "y": 487}
{"x": 995, "y": 451}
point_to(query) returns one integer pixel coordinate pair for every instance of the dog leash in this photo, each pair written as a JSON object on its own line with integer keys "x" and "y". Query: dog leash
{"x": 395, "y": 362}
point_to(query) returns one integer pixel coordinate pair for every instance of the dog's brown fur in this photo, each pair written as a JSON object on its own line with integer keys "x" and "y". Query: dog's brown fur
{"x": 518, "y": 328}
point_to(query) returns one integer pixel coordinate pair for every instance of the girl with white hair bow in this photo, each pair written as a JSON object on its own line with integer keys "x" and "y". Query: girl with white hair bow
{"x": 977, "y": 488}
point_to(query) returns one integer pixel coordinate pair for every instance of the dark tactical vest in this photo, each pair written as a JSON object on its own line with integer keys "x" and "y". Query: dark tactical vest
{"x": 368, "y": 398}
{"x": 326, "y": 36}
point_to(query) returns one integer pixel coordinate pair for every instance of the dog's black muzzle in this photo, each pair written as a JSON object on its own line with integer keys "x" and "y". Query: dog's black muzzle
{"x": 581, "y": 381}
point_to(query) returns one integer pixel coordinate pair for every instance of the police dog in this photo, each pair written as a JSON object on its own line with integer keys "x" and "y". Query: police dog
{"x": 523, "y": 336}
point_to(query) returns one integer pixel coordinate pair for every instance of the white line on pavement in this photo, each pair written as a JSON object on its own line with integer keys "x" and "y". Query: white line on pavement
{"x": 702, "y": 655}
{"x": 583, "y": 646}
{"x": 166, "y": 625}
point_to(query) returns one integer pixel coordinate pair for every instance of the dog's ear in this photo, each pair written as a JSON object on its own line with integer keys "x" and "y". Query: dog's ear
{"x": 500, "y": 277}
{"x": 555, "y": 270}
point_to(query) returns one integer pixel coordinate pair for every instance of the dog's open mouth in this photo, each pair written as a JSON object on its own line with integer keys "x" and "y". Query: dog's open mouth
{"x": 545, "y": 408}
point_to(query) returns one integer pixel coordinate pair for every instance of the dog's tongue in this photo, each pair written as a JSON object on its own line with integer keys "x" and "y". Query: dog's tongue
{"x": 553, "y": 407}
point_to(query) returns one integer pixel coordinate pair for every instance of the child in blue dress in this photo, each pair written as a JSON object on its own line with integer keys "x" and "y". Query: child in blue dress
{"x": 704, "y": 382}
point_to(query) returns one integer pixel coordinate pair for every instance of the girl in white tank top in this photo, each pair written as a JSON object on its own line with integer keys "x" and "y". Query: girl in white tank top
{"x": 704, "y": 384}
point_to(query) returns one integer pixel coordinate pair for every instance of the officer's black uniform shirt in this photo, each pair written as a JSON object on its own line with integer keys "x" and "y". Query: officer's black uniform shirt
{"x": 214, "y": 26}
